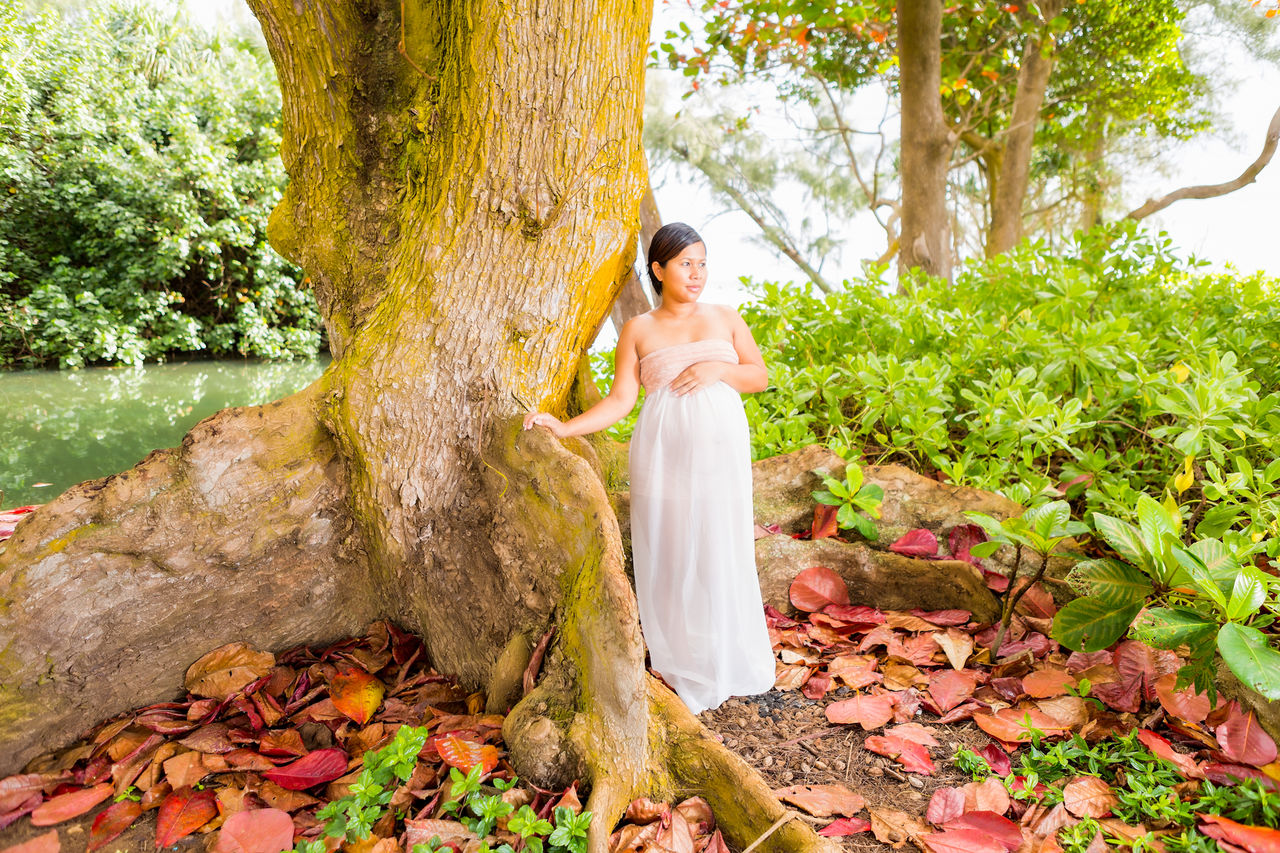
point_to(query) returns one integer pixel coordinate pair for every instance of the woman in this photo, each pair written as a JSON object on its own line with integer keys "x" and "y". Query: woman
{"x": 691, "y": 519}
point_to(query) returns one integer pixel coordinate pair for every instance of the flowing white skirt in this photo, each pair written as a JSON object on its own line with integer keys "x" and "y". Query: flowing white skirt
{"x": 693, "y": 547}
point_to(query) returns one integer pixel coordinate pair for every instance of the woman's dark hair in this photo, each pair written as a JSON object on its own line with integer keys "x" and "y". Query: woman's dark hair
{"x": 667, "y": 243}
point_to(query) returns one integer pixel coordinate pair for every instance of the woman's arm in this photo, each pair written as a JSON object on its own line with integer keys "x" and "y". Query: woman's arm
{"x": 616, "y": 405}
{"x": 746, "y": 377}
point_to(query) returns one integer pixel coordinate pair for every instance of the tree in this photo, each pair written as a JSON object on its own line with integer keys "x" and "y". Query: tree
{"x": 464, "y": 184}
{"x": 1034, "y": 95}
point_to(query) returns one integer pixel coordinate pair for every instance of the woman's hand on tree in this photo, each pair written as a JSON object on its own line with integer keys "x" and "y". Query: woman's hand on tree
{"x": 543, "y": 419}
{"x": 695, "y": 377}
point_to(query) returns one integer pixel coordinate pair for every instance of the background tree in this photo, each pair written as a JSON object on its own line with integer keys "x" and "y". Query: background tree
{"x": 464, "y": 185}
{"x": 140, "y": 161}
{"x": 1039, "y": 98}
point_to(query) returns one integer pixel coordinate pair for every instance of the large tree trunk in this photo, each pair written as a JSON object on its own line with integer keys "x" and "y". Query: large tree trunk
{"x": 463, "y": 192}
{"x": 1010, "y": 178}
{"x": 926, "y": 141}
{"x": 633, "y": 300}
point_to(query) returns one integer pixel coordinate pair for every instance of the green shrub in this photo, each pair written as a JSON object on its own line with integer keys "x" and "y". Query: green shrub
{"x": 138, "y": 166}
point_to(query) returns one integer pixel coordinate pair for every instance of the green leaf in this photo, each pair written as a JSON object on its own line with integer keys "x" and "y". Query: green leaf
{"x": 1247, "y": 594}
{"x": 853, "y": 476}
{"x": 823, "y": 496}
{"x": 1247, "y": 652}
{"x": 1217, "y": 520}
{"x": 1123, "y": 537}
{"x": 1091, "y": 625}
{"x": 982, "y": 550}
{"x": 1111, "y": 581}
{"x": 1171, "y": 627}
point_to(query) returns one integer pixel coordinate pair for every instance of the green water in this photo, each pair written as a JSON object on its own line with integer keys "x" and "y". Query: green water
{"x": 63, "y": 427}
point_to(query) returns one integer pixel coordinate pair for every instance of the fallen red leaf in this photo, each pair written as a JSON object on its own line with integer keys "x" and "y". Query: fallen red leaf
{"x": 859, "y": 616}
{"x": 997, "y": 759}
{"x": 182, "y": 813}
{"x": 824, "y": 522}
{"x": 989, "y": 795}
{"x": 1255, "y": 839}
{"x": 16, "y": 790}
{"x": 72, "y": 804}
{"x": 1185, "y": 703}
{"x": 227, "y": 670}
{"x": 256, "y": 831}
{"x": 923, "y": 735}
{"x": 870, "y": 712}
{"x": 916, "y": 543}
{"x": 1013, "y": 725}
{"x": 1088, "y": 796}
{"x": 817, "y": 587}
{"x": 949, "y": 687}
{"x": 315, "y": 768}
{"x": 1234, "y": 774}
{"x": 998, "y": 827}
{"x": 845, "y": 826}
{"x": 822, "y": 800}
{"x": 113, "y": 820}
{"x": 913, "y": 757}
{"x": 1244, "y": 741}
{"x": 963, "y": 537}
{"x": 962, "y": 841}
{"x": 1163, "y": 749}
{"x": 356, "y": 693}
{"x": 817, "y": 686}
{"x": 1138, "y": 667}
{"x": 1046, "y": 683}
{"x": 465, "y": 754}
{"x": 945, "y": 804}
{"x": 944, "y": 618}
{"x": 44, "y": 843}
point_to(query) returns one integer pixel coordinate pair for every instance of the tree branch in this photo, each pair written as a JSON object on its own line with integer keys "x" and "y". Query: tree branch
{"x": 1214, "y": 190}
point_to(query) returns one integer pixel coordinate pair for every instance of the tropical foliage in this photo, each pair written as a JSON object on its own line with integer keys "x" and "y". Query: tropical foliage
{"x": 139, "y": 164}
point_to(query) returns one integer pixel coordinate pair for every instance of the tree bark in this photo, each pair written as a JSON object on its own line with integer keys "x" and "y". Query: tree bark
{"x": 1246, "y": 177}
{"x": 1010, "y": 181}
{"x": 464, "y": 184}
{"x": 926, "y": 141}
{"x": 633, "y": 300}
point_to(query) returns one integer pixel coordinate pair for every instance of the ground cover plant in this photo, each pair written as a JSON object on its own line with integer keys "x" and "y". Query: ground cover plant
{"x": 359, "y": 743}
{"x": 1083, "y": 750}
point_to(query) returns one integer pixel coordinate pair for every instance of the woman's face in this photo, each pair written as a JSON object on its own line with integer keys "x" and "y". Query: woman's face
{"x": 685, "y": 275}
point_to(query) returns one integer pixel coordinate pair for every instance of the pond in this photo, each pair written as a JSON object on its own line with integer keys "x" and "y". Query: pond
{"x": 60, "y": 427}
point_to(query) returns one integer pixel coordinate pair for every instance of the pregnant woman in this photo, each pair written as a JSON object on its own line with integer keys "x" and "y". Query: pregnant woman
{"x": 691, "y": 519}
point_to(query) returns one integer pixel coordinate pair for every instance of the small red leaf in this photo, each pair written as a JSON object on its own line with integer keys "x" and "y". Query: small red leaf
{"x": 1243, "y": 740}
{"x": 16, "y": 790}
{"x": 949, "y": 687}
{"x": 916, "y": 543}
{"x": 72, "y": 804}
{"x": 946, "y": 804}
{"x": 315, "y": 768}
{"x": 999, "y": 827}
{"x": 817, "y": 587}
{"x": 845, "y": 826}
{"x": 870, "y": 712}
{"x": 1255, "y": 839}
{"x": 962, "y": 538}
{"x": 817, "y": 686}
{"x": 1185, "y": 703}
{"x": 465, "y": 754}
{"x": 822, "y": 800}
{"x": 1088, "y": 796}
{"x": 824, "y": 522}
{"x": 356, "y": 694}
{"x": 256, "y": 831}
{"x": 913, "y": 757}
{"x": 1163, "y": 749}
{"x": 182, "y": 813}
{"x": 45, "y": 843}
{"x": 961, "y": 841}
{"x": 113, "y": 820}
{"x": 1046, "y": 683}
{"x": 997, "y": 759}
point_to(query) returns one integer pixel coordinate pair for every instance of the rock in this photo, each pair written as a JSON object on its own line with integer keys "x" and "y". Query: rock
{"x": 876, "y": 578}
{"x": 1267, "y": 712}
{"x": 783, "y": 489}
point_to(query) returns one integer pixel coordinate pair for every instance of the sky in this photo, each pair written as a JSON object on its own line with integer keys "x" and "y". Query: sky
{"x": 1240, "y": 229}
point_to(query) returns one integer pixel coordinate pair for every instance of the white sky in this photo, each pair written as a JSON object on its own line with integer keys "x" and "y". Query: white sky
{"x": 1241, "y": 229}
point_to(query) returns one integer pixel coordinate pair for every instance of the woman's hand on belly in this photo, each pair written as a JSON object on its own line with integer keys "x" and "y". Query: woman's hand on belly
{"x": 695, "y": 377}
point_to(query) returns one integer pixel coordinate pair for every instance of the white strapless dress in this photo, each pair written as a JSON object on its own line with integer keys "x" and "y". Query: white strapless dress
{"x": 691, "y": 533}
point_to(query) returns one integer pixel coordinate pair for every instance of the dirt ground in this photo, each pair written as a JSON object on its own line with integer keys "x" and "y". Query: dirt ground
{"x": 788, "y": 739}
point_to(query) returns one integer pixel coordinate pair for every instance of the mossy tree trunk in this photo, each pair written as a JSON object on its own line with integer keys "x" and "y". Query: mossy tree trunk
{"x": 464, "y": 184}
